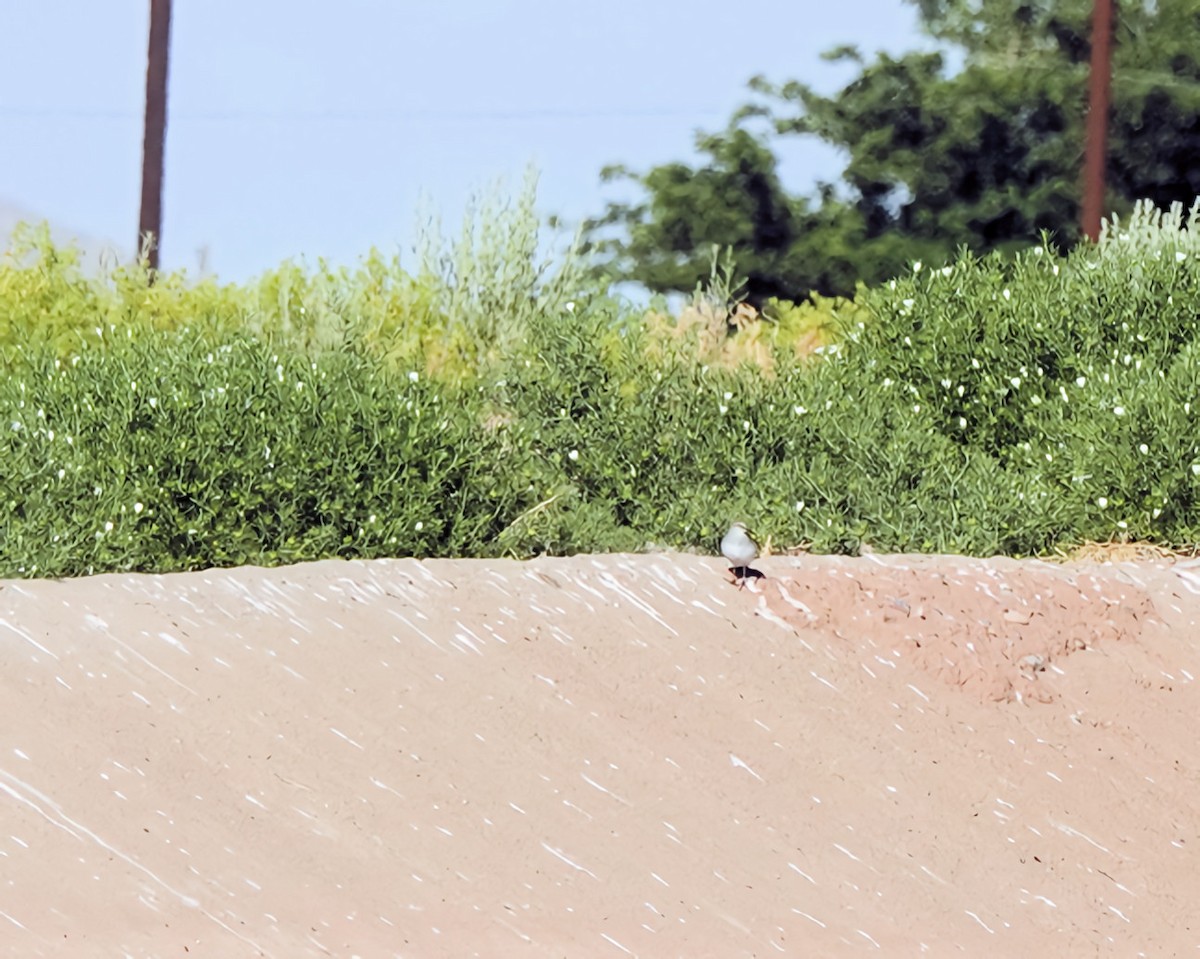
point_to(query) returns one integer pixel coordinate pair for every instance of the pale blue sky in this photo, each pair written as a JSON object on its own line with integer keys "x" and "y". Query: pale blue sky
{"x": 314, "y": 129}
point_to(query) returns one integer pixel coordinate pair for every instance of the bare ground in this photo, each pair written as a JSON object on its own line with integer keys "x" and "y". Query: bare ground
{"x": 603, "y": 756}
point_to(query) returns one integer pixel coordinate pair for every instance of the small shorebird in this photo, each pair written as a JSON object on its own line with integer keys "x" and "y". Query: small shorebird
{"x": 739, "y": 548}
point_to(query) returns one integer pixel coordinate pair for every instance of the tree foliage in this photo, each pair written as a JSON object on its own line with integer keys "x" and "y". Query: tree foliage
{"x": 978, "y": 143}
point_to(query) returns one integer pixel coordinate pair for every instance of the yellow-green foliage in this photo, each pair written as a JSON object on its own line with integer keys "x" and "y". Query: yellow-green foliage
{"x": 47, "y": 300}
{"x": 377, "y": 306}
{"x": 710, "y": 334}
{"x": 463, "y": 308}
{"x": 44, "y": 298}
{"x": 808, "y": 326}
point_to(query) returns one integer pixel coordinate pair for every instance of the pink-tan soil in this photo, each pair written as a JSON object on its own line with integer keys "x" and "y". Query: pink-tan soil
{"x": 603, "y": 757}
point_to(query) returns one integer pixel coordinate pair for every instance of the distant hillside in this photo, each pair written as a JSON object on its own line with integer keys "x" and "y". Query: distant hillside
{"x": 95, "y": 252}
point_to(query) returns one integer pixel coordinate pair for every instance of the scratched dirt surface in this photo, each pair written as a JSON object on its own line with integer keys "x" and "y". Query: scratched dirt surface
{"x": 603, "y": 757}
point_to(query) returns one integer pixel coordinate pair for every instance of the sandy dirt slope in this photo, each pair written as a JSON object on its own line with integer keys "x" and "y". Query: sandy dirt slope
{"x": 603, "y": 756}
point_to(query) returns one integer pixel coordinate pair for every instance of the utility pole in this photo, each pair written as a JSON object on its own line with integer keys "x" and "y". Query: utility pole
{"x": 1096, "y": 150}
{"x": 155, "y": 132}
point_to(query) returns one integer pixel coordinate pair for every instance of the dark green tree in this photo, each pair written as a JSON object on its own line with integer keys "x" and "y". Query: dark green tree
{"x": 735, "y": 200}
{"x": 978, "y": 144}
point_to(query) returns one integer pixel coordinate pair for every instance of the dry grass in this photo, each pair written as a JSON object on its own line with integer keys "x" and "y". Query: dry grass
{"x": 1123, "y": 551}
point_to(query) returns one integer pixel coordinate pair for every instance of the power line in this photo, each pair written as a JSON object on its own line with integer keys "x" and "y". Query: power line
{"x": 372, "y": 116}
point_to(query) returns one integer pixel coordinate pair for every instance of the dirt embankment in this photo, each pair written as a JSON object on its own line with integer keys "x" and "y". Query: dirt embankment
{"x": 603, "y": 756}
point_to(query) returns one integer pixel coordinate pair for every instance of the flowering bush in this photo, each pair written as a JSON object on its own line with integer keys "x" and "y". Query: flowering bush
{"x": 996, "y": 405}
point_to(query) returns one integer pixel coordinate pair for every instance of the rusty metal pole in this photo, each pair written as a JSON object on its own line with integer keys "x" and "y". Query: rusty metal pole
{"x": 1097, "y": 119}
{"x": 155, "y": 132}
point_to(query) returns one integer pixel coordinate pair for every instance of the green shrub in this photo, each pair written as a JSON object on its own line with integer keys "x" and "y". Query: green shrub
{"x": 161, "y": 452}
{"x": 486, "y": 405}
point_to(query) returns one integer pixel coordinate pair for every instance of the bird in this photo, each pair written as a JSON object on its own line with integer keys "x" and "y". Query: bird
{"x": 739, "y": 548}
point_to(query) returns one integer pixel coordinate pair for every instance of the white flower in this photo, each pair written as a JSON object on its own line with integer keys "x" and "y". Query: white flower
{"x": 1054, "y": 269}
{"x": 917, "y": 267}
{"x": 974, "y": 363}
{"x": 799, "y": 506}
{"x": 108, "y": 526}
{"x": 138, "y": 507}
{"x": 153, "y": 402}
{"x": 1144, "y": 449}
{"x": 723, "y": 408}
{"x": 947, "y": 270}
{"x": 1196, "y": 469}
{"x": 1016, "y": 382}
{"x": 887, "y": 381}
{"x": 1121, "y": 523}
{"x": 1102, "y": 502}
{"x": 962, "y": 422}
{"x": 570, "y": 306}
{"x": 371, "y": 518}
{"x": 1006, "y": 294}
{"x": 573, "y": 455}
{"x": 946, "y": 384}
{"x": 908, "y": 305}
{"x": 62, "y": 473}
{"x": 1063, "y": 393}
{"x": 1081, "y": 381}
{"x": 746, "y": 425}
{"x": 1180, "y": 256}
{"x": 420, "y": 526}
{"x": 799, "y": 410}
{"x": 728, "y": 396}
{"x": 1119, "y": 410}
{"x": 413, "y": 376}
